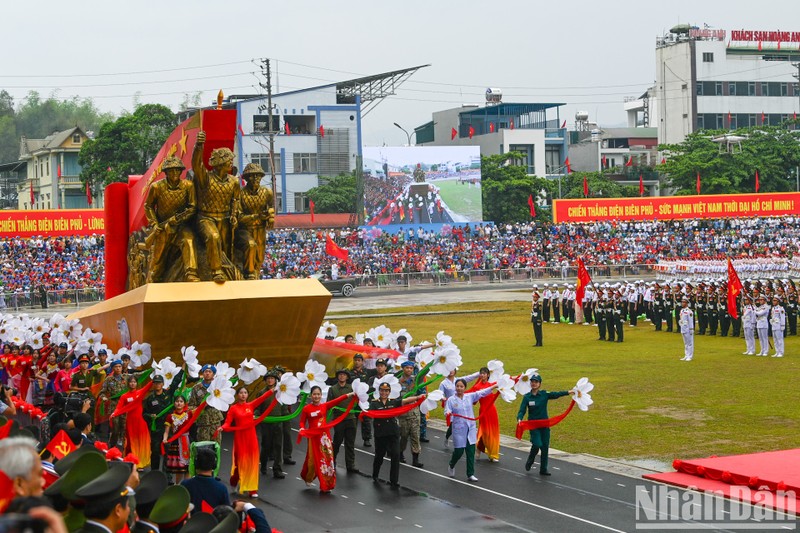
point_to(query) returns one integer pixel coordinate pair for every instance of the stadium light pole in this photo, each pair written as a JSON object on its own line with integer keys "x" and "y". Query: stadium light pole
{"x": 404, "y": 131}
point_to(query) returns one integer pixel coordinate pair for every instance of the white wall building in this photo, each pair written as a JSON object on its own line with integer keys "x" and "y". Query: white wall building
{"x": 709, "y": 79}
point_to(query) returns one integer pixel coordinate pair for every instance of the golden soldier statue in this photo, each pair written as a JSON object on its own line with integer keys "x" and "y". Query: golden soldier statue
{"x": 169, "y": 206}
{"x": 217, "y": 204}
{"x": 257, "y": 215}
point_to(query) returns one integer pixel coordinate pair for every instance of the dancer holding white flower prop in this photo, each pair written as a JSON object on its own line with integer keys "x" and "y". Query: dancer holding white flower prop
{"x": 465, "y": 431}
{"x": 448, "y": 388}
{"x": 535, "y": 403}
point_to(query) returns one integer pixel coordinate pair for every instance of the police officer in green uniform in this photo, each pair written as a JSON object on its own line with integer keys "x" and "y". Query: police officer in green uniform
{"x": 619, "y": 320}
{"x": 712, "y": 311}
{"x": 701, "y": 312}
{"x": 600, "y": 317}
{"x": 108, "y": 500}
{"x": 535, "y": 403}
{"x": 722, "y": 313}
{"x": 669, "y": 308}
{"x": 154, "y": 405}
{"x": 151, "y": 485}
{"x": 658, "y": 307}
{"x": 82, "y": 379}
{"x": 611, "y": 328}
{"x": 536, "y": 318}
{"x": 344, "y": 431}
{"x": 272, "y": 436}
{"x": 791, "y": 310}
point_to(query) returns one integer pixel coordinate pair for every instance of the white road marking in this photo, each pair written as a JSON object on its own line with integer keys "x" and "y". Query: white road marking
{"x": 343, "y": 496}
{"x": 507, "y": 496}
{"x": 598, "y": 479}
{"x": 379, "y": 510}
{"x": 417, "y": 525}
{"x": 361, "y": 503}
{"x": 620, "y": 485}
{"x": 518, "y": 458}
{"x": 577, "y": 473}
{"x": 399, "y": 518}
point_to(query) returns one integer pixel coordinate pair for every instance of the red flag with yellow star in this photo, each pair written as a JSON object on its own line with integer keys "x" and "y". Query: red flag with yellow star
{"x": 734, "y": 288}
{"x": 583, "y": 280}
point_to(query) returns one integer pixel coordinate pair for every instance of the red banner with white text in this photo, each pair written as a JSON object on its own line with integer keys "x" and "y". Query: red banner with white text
{"x": 51, "y": 223}
{"x": 677, "y": 207}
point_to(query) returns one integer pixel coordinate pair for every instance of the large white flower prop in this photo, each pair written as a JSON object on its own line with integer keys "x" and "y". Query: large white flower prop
{"x": 140, "y": 353}
{"x": 38, "y": 326}
{"x": 393, "y": 382}
{"x": 327, "y": 329}
{"x": 225, "y": 370}
{"x": 381, "y": 336}
{"x": 425, "y": 357}
{"x": 362, "y": 393}
{"x": 314, "y": 374}
{"x": 445, "y": 360}
{"x": 193, "y": 367}
{"x": 167, "y": 370}
{"x": 523, "y": 384}
{"x": 288, "y": 389}
{"x": 15, "y": 336}
{"x": 431, "y": 401}
{"x": 92, "y": 338}
{"x": 35, "y": 341}
{"x": 55, "y": 321}
{"x": 505, "y": 386}
{"x": 220, "y": 393}
{"x": 496, "y": 370}
{"x": 442, "y": 340}
{"x": 82, "y": 346}
{"x": 250, "y": 370}
{"x": 581, "y": 394}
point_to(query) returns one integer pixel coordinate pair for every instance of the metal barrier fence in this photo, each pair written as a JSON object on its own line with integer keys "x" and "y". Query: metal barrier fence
{"x": 21, "y": 300}
{"x": 523, "y": 276}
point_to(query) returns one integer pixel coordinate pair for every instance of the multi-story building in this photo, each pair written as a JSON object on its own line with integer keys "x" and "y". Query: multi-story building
{"x": 532, "y": 129}
{"x": 712, "y": 79}
{"x": 53, "y": 173}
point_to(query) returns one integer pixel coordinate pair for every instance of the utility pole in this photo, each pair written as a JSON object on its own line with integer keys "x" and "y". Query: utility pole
{"x": 265, "y": 70}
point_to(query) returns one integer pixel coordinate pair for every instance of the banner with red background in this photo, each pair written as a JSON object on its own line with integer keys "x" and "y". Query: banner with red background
{"x": 52, "y": 223}
{"x": 676, "y": 207}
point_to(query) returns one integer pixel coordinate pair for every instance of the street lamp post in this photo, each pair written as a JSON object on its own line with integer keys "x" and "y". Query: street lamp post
{"x": 408, "y": 135}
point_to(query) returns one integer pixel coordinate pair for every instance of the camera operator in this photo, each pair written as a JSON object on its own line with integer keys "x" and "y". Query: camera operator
{"x": 6, "y": 405}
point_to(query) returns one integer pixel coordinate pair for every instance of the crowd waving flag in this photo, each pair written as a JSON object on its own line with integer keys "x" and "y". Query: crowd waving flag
{"x": 734, "y": 288}
{"x": 332, "y": 249}
{"x": 584, "y": 279}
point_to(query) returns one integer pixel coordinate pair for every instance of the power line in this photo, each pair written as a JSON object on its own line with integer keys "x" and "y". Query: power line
{"x": 122, "y": 73}
{"x": 85, "y": 86}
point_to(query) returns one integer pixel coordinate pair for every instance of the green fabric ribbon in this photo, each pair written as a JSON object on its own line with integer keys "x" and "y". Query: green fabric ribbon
{"x": 286, "y": 418}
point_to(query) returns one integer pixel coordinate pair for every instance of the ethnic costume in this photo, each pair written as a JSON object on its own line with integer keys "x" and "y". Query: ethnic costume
{"x": 137, "y": 433}
{"x": 465, "y": 432}
{"x": 319, "y": 455}
{"x": 178, "y": 450}
{"x": 489, "y": 426}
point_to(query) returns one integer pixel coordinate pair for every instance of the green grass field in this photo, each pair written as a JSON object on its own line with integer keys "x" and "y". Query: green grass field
{"x": 647, "y": 403}
{"x": 461, "y": 198}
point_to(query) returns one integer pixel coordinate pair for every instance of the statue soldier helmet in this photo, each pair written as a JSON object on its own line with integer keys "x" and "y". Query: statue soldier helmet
{"x": 253, "y": 168}
{"x": 173, "y": 162}
{"x": 220, "y": 156}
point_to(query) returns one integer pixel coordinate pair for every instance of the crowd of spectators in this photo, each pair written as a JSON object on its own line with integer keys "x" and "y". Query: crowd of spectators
{"x": 28, "y": 265}
{"x": 58, "y": 263}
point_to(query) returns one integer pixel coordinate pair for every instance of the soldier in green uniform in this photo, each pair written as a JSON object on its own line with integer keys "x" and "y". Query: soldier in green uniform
{"x": 535, "y": 403}
{"x": 791, "y": 310}
{"x": 154, "y": 405}
{"x": 344, "y": 431}
{"x": 151, "y": 486}
{"x": 701, "y": 311}
{"x": 272, "y": 436}
{"x": 536, "y": 318}
{"x": 658, "y": 307}
{"x": 600, "y": 316}
{"x": 722, "y": 313}
{"x": 113, "y": 387}
{"x": 257, "y": 215}
{"x": 611, "y": 329}
{"x": 169, "y": 206}
{"x": 409, "y": 421}
{"x": 210, "y": 419}
{"x": 108, "y": 504}
{"x": 669, "y": 308}
{"x": 218, "y": 194}
{"x": 619, "y": 307}
{"x": 360, "y": 372}
{"x": 712, "y": 311}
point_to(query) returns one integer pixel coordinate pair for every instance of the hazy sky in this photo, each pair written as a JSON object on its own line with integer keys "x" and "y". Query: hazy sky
{"x": 589, "y": 55}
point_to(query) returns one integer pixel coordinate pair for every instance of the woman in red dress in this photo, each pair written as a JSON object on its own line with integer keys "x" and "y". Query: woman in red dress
{"x": 488, "y": 422}
{"x": 137, "y": 434}
{"x": 319, "y": 455}
{"x": 245, "y": 443}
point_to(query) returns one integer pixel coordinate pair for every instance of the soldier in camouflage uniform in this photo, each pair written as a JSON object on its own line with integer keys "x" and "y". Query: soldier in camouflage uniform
{"x": 169, "y": 206}
{"x": 360, "y": 372}
{"x": 218, "y": 195}
{"x": 257, "y": 215}
{"x": 113, "y": 387}
{"x": 210, "y": 419}
{"x": 409, "y": 421}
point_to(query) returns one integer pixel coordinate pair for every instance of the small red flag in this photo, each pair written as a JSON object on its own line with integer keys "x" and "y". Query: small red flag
{"x": 734, "y": 288}
{"x": 763, "y": 117}
{"x": 532, "y": 205}
{"x": 698, "y": 183}
{"x": 584, "y": 279}
{"x": 331, "y": 248}
{"x": 566, "y": 163}
{"x": 311, "y": 205}
{"x": 729, "y": 119}
{"x": 757, "y": 184}
{"x": 603, "y": 162}
{"x": 585, "y": 187}
{"x": 630, "y": 161}
{"x": 59, "y": 171}
{"x": 471, "y": 132}
{"x": 321, "y": 130}
{"x": 663, "y": 160}
{"x": 286, "y": 128}
{"x": 61, "y": 445}
{"x": 241, "y": 131}
{"x": 564, "y": 125}
{"x": 88, "y": 194}
{"x": 32, "y": 195}
{"x": 453, "y": 134}
{"x": 641, "y": 186}
{"x": 491, "y": 127}
{"x": 512, "y": 123}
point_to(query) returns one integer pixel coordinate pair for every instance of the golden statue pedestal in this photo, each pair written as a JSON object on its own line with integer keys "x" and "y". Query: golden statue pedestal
{"x": 275, "y": 321}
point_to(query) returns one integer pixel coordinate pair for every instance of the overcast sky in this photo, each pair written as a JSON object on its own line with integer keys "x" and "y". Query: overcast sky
{"x": 589, "y": 55}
